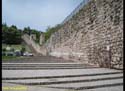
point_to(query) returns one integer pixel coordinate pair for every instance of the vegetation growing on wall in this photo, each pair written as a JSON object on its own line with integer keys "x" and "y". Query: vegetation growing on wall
{"x": 50, "y": 31}
{"x": 29, "y": 31}
{"x": 37, "y": 33}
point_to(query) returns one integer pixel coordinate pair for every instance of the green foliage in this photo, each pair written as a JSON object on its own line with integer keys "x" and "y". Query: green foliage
{"x": 27, "y": 30}
{"x": 8, "y": 57}
{"x": 3, "y": 49}
{"x": 11, "y": 35}
{"x": 50, "y": 31}
{"x": 23, "y": 49}
{"x": 37, "y": 33}
{"x": 12, "y": 49}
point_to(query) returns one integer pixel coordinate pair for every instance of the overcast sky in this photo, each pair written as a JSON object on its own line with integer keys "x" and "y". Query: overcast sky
{"x": 37, "y": 14}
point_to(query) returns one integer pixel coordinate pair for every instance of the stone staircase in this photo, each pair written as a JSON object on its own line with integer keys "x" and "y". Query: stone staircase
{"x": 62, "y": 77}
{"x": 35, "y": 53}
{"x": 35, "y": 48}
{"x": 39, "y": 66}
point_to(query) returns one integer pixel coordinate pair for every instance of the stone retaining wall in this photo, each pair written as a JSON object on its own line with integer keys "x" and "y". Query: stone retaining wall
{"x": 39, "y": 49}
{"x": 94, "y": 35}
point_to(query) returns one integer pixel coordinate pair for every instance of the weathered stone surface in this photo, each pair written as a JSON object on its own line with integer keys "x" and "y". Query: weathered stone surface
{"x": 42, "y": 39}
{"x": 29, "y": 41}
{"x": 88, "y": 33}
{"x": 33, "y": 36}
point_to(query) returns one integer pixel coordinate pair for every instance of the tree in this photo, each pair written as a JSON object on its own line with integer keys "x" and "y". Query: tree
{"x": 50, "y": 31}
{"x": 23, "y": 50}
{"x": 11, "y": 35}
{"x": 27, "y": 30}
{"x": 37, "y": 33}
{"x": 4, "y": 30}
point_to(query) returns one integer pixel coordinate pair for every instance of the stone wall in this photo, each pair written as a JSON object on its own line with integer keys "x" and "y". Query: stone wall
{"x": 33, "y": 36}
{"x": 94, "y": 35}
{"x": 42, "y": 39}
{"x": 30, "y": 42}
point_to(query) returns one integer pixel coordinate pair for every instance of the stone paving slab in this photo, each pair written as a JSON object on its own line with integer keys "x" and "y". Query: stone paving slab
{"x": 85, "y": 79}
{"x": 117, "y": 88}
{"x": 36, "y": 66}
{"x": 29, "y": 88}
{"x": 42, "y": 88}
{"x": 69, "y": 63}
{"x": 84, "y": 84}
{"x": 60, "y": 72}
{"x": 64, "y": 79}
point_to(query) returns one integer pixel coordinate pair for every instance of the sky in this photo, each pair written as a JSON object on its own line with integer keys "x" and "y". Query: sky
{"x": 37, "y": 14}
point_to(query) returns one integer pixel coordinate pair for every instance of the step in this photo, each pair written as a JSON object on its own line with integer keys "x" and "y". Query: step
{"x": 81, "y": 85}
{"x": 47, "y": 68}
{"x": 63, "y": 76}
{"x": 42, "y": 63}
{"x": 88, "y": 85}
{"x": 51, "y": 65}
{"x": 68, "y": 79}
{"x": 54, "y": 72}
{"x": 95, "y": 79}
{"x": 108, "y": 88}
{"x": 33, "y": 64}
{"x": 43, "y": 88}
{"x": 37, "y": 66}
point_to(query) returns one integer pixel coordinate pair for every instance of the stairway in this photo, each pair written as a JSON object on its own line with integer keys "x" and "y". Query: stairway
{"x": 31, "y": 49}
{"x": 62, "y": 77}
{"x": 39, "y": 66}
{"x": 31, "y": 44}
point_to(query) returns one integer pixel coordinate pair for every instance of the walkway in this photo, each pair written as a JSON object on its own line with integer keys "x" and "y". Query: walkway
{"x": 61, "y": 77}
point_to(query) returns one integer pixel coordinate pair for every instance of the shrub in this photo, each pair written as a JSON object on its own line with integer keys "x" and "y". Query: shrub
{"x": 23, "y": 50}
{"x": 3, "y": 49}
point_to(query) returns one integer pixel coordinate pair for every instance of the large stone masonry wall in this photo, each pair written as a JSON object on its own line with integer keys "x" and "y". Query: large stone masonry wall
{"x": 94, "y": 35}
